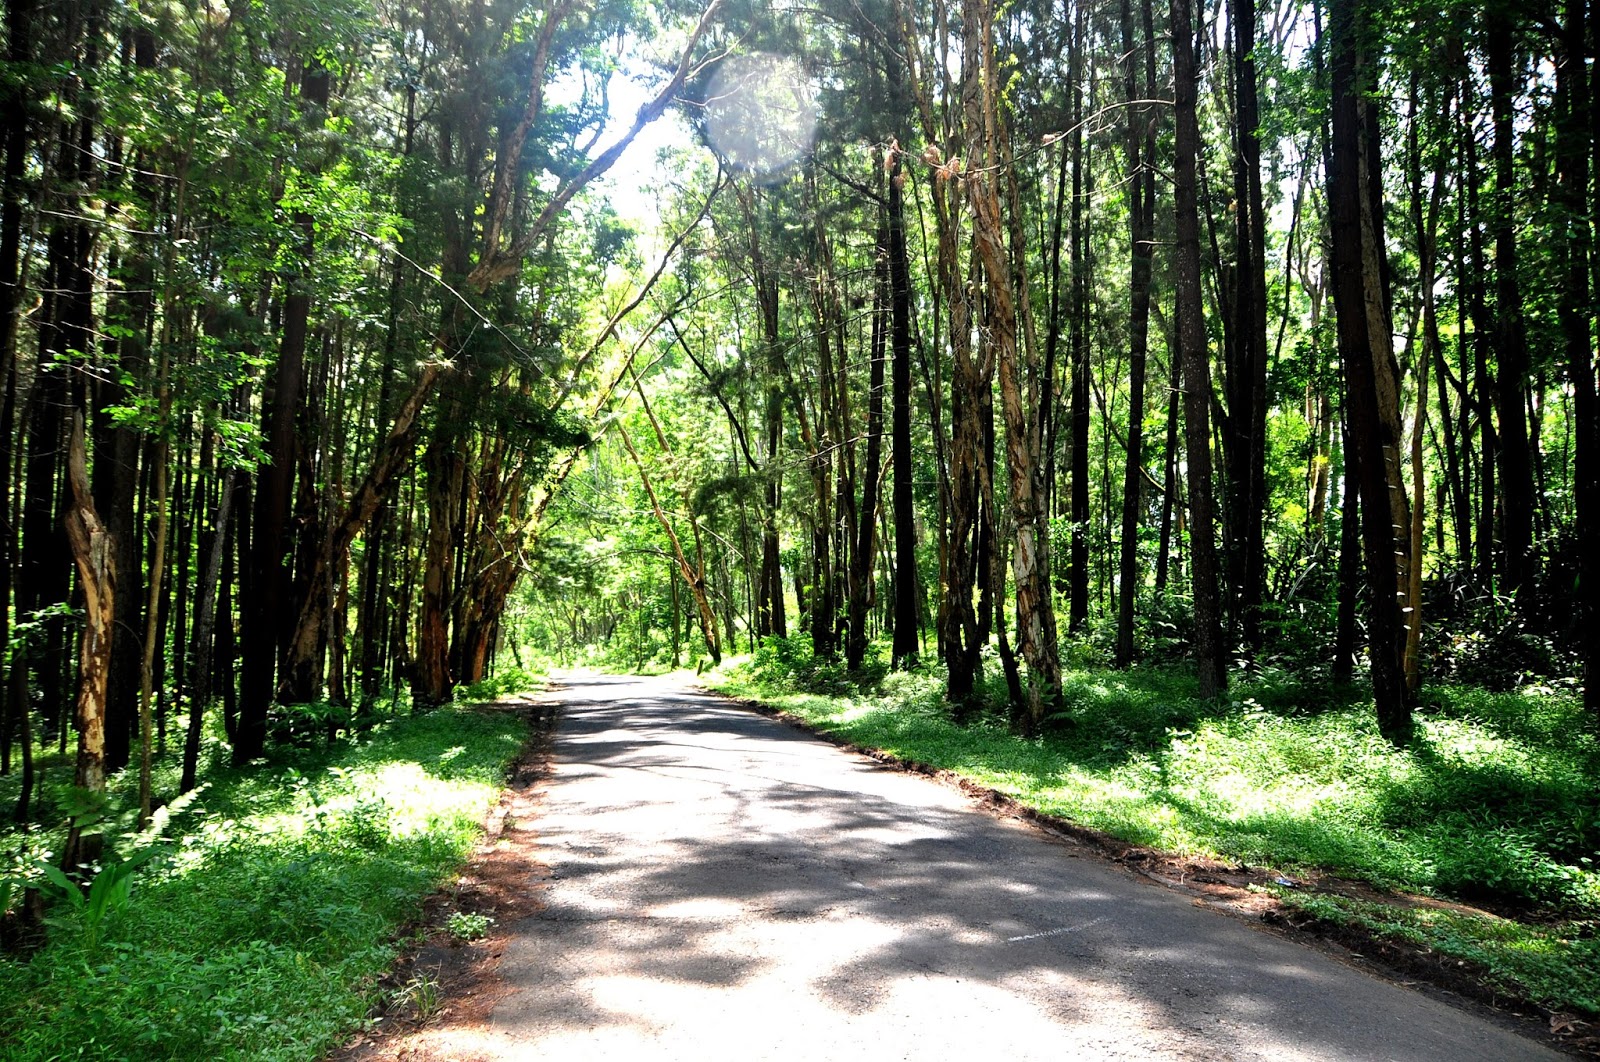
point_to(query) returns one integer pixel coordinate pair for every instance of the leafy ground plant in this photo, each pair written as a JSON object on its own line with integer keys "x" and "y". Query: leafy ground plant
{"x": 1493, "y": 804}
{"x": 262, "y": 932}
{"x": 466, "y": 925}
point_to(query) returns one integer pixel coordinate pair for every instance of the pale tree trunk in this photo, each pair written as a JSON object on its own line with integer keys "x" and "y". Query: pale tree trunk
{"x": 94, "y": 553}
{"x": 158, "y": 566}
{"x": 693, "y": 575}
{"x": 1036, "y": 621}
{"x": 200, "y": 649}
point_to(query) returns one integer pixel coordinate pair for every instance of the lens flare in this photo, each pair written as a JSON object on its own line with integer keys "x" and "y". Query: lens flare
{"x": 761, "y": 113}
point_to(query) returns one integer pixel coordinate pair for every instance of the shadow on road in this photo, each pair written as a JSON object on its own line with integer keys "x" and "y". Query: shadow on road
{"x": 709, "y": 865}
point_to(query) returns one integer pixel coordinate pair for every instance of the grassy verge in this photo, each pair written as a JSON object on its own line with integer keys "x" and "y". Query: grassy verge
{"x": 1494, "y": 803}
{"x": 262, "y": 929}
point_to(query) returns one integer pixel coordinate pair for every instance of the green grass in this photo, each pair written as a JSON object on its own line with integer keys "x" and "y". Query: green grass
{"x": 1494, "y": 803}
{"x": 262, "y": 931}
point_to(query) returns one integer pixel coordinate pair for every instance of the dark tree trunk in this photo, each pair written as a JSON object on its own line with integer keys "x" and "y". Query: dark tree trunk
{"x": 1078, "y": 422}
{"x": 1141, "y": 141}
{"x": 1169, "y": 478}
{"x": 215, "y": 549}
{"x": 14, "y": 709}
{"x": 1576, "y": 115}
{"x": 1344, "y": 633}
{"x": 1511, "y": 341}
{"x": 905, "y": 530}
{"x": 865, "y": 545}
{"x": 269, "y": 616}
{"x": 1371, "y": 376}
{"x": 1246, "y": 423}
{"x": 1483, "y": 384}
{"x": 1196, "y": 364}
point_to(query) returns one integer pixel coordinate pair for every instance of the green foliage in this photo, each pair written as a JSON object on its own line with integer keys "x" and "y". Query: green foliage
{"x": 1492, "y": 803}
{"x": 89, "y": 911}
{"x": 788, "y": 664}
{"x": 262, "y": 934}
{"x": 464, "y": 925}
{"x": 504, "y": 680}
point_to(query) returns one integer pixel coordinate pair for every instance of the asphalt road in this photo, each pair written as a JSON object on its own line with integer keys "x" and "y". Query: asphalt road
{"x": 723, "y": 886}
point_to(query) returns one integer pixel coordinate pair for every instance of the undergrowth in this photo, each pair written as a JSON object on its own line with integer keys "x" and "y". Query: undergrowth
{"x": 1494, "y": 802}
{"x": 262, "y": 922}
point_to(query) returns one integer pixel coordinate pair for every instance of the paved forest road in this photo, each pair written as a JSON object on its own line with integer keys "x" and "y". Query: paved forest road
{"x": 724, "y": 887}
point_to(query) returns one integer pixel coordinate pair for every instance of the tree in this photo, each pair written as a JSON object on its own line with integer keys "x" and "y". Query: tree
{"x": 1208, "y": 646}
{"x": 1372, "y": 391}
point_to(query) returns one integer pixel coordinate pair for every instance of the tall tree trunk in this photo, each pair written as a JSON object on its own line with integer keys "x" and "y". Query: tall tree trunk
{"x": 1246, "y": 424}
{"x": 94, "y": 554}
{"x": 1482, "y": 328}
{"x": 1078, "y": 422}
{"x": 1576, "y": 132}
{"x": 1196, "y": 363}
{"x": 14, "y": 710}
{"x": 1141, "y": 142}
{"x": 865, "y": 545}
{"x": 200, "y": 639}
{"x": 905, "y": 647}
{"x": 269, "y": 616}
{"x": 1036, "y": 623}
{"x": 1511, "y": 341}
{"x": 1169, "y": 462}
{"x": 1372, "y": 390}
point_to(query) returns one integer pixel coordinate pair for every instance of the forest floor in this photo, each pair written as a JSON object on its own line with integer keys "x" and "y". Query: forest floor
{"x": 687, "y": 878}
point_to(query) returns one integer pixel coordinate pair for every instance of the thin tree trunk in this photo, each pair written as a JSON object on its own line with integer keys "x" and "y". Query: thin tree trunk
{"x": 865, "y": 546}
{"x": 158, "y": 567}
{"x": 204, "y": 626}
{"x": 904, "y": 653}
{"x": 1511, "y": 341}
{"x": 693, "y": 576}
{"x": 1141, "y": 235}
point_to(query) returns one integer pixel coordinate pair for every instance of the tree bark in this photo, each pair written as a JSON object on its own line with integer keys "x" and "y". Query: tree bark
{"x": 1510, "y": 334}
{"x": 1141, "y": 144}
{"x": 1246, "y": 423}
{"x": 1576, "y": 115}
{"x": 1192, "y": 349}
{"x": 94, "y": 554}
{"x": 904, "y": 653}
{"x": 865, "y": 545}
{"x": 267, "y": 614}
{"x": 1371, "y": 375}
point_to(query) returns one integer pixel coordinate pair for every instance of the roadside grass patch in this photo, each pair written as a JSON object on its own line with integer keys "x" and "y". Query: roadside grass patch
{"x": 1494, "y": 803}
{"x": 262, "y": 932}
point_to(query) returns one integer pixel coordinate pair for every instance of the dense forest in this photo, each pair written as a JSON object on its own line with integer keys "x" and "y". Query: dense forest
{"x": 989, "y": 339}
